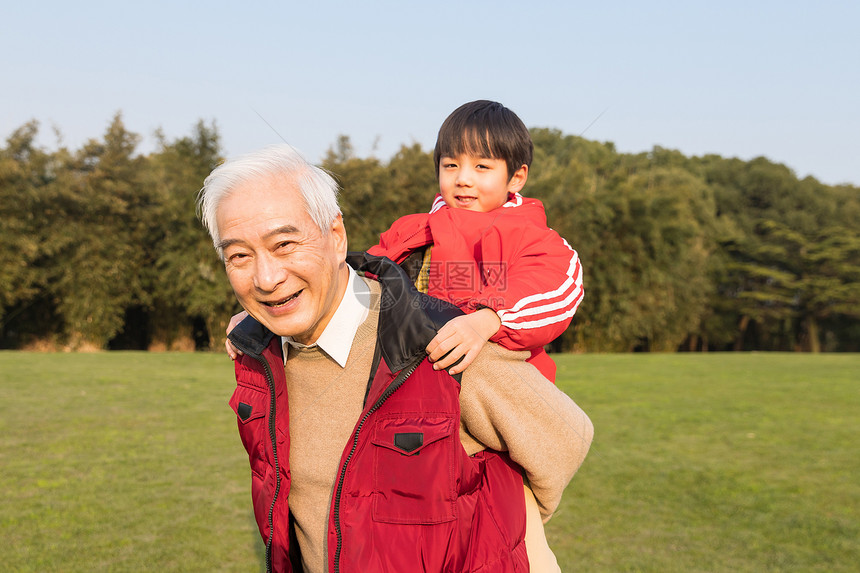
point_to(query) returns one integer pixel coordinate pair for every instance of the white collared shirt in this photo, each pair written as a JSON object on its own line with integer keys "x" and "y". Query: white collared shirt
{"x": 336, "y": 338}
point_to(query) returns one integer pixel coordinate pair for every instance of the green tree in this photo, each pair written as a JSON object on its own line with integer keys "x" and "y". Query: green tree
{"x": 99, "y": 231}
{"x": 24, "y": 171}
{"x": 768, "y": 219}
{"x": 642, "y": 225}
{"x": 373, "y": 195}
{"x": 190, "y": 289}
{"x": 569, "y": 175}
{"x": 819, "y": 276}
{"x": 651, "y": 279}
{"x": 103, "y": 245}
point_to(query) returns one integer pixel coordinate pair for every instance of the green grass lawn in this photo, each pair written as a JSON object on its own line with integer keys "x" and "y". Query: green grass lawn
{"x": 714, "y": 462}
{"x": 122, "y": 462}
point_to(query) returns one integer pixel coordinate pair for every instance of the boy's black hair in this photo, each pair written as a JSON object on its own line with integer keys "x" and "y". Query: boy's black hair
{"x": 485, "y": 129}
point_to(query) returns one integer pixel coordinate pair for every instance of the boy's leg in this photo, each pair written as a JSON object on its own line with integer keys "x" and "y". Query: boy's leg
{"x": 541, "y": 557}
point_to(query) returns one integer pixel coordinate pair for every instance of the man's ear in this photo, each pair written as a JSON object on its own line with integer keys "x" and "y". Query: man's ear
{"x": 518, "y": 179}
{"x": 338, "y": 232}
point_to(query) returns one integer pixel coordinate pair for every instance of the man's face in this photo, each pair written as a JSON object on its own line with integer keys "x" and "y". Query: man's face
{"x": 285, "y": 271}
{"x": 477, "y": 183}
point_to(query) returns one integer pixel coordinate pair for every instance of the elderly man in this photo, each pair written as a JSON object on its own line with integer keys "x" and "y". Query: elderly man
{"x": 363, "y": 457}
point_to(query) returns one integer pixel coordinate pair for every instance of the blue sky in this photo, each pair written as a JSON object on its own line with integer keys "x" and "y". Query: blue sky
{"x": 740, "y": 79}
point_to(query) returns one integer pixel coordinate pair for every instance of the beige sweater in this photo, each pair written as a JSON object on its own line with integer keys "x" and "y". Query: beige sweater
{"x": 506, "y": 404}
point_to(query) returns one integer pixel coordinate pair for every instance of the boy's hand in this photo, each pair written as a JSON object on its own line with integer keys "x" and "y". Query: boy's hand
{"x": 464, "y": 337}
{"x": 232, "y": 350}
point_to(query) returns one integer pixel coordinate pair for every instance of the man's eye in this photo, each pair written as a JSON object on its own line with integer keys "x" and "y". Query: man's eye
{"x": 237, "y": 258}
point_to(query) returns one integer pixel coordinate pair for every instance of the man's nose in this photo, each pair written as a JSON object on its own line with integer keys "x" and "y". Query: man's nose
{"x": 464, "y": 178}
{"x": 270, "y": 273}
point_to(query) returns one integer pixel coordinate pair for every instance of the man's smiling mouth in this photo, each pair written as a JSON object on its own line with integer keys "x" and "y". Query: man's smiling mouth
{"x": 280, "y": 303}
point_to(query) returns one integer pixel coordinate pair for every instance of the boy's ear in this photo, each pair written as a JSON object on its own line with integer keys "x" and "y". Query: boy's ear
{"x": 518, "y": 179}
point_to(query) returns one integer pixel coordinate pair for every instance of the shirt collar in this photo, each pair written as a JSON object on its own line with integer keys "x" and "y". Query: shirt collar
{"x": 336, "y": 339}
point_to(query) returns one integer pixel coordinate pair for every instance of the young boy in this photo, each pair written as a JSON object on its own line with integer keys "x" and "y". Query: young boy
{"x": 488, "y": 250}
{"x": 485, "y": 247}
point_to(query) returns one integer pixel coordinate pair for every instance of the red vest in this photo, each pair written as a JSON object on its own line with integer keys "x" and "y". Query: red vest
{"x": 406, "y": 497}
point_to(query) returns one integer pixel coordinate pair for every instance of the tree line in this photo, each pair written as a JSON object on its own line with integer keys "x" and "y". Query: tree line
{"x": 102, "y": 247}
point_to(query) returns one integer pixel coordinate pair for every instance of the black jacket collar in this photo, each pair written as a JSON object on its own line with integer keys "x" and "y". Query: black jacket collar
{"x": 408, "y": 319}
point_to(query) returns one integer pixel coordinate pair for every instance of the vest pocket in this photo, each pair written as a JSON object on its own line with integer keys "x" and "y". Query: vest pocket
{"x": 251, "y": 407}
{"x": 414, "y": 478}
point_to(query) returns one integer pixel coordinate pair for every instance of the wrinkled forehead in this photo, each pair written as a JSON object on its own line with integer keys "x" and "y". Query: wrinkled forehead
{"x": 259, "y": 200}
{"x": 264, "y": 191}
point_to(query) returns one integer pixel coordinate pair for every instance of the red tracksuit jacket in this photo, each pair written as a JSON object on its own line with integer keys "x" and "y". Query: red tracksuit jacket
{"x": 507, "y": 260}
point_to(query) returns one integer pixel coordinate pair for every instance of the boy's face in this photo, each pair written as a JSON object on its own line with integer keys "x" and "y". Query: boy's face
{"x": 477, "y": 183}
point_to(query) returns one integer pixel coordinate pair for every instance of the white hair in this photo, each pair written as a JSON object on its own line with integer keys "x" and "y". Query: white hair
{"x": 318, "y": 189}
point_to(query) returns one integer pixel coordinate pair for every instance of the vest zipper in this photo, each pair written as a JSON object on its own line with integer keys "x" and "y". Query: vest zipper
{"x": 395, "y": 384}
{"x": 270, "y": 380}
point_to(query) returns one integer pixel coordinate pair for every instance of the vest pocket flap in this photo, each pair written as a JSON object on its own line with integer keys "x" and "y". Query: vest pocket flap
{"x": 249, "y": 404}
{"x": 414, "y": 469}
{"x": 408, "y": 436}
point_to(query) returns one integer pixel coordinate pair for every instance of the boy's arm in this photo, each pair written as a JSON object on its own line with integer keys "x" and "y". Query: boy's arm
{"x": 535, "y": 290}
{"x": 526, "y": 301}
{"x": 507, "y": 405}
{"x": 461, "y": 339}
{"x": 405, "y": 235}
